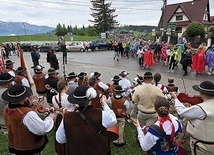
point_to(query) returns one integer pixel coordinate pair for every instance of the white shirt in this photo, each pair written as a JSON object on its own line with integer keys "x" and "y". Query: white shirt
{"x": 36, "y": 125}
{"x": 148, "y": 140}
{"x": 193, "y": 112}
{"x": 108, "y": 120}
{"x": 165, "y": 90}
{"x": 125, "y": 84}
{"x": 25, "y": 82}
{"x": 64, "y": 102}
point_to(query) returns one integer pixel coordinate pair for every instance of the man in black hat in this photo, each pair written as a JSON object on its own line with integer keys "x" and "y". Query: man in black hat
{"x": 5, "y": 82}
{"x": 200, "y": 125}
{"x": 26, "y": 130}
{"x": 39, "y": 79}
{"x": 115, "y": 83}
{"x": 21, "y": 77}
{"x": 80, "y": 78}
{"x": 53, "y": 60}
{"x": 119, "y": 102}
{"x": 51, "y": 84}
{"x": 72, "y": 79}
{"x": 144, "y": 98}
{"x": 81, "y": 136}
{"x": 9, "y": 68}
{"x": 100, "y": 87}
{"x": 35, "y": 56}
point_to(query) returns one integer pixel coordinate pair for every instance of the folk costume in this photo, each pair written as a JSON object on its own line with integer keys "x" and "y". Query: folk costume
{"x": 210, "y": 60}
{"x": 200, "y": 125}
{"x": 112, "y": 86}
{"x": 126, "y": 85}
{"x": 60, "y": 101}
{"x": 198, "y": 61}
{"x": 21, "y": 77}
{"x": 119, "y": 102}
{"x": 154, "y": 143}
{"x": 5, "y": 81}
{"x": 148, "y": 59}
{"x": 101, "y": 89}
{"x": 39, "y": 79}
{"x": 9, "y": 68}
{"x": 80, "y": 78}
{"x": 72, "y": 82}
{"x": 21, "y": 120}
{"x": 79, "y": 135}
{"x": 52, "y": 82}
{"x": 144, "y": 96}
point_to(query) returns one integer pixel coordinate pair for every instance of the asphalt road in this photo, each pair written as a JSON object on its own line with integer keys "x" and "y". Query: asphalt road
{"x": 102, "y": 62}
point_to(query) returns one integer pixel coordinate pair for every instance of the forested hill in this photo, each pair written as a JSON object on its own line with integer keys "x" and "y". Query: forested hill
{"x": 140, "y": 28}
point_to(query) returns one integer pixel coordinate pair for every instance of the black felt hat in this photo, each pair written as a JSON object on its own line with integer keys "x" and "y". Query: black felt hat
{"x": 116, "y": 78}
{"x": 148, "y": 75}
{"x": 20, "y": 70}
{"x": 206, "y": 87}
{"x": 16, "y": 93}
{"x": 6, "y": 78}
{"x": 95, "y": 74}
{"x": 79, "y": 96}
{"x": 51, "y": 71}
{"x": 9, "y": 62}
{"x": 123, "y": 73}
{"x": 81, "y": 75}
{"x": 71, "y": 75}
{"x": 119, "y": 89}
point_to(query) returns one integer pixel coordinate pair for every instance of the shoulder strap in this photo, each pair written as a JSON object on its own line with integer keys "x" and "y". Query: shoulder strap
{"x": 59, "y": 104}
{"x": 158, "y": 130}
{"x": 98, "y": 130}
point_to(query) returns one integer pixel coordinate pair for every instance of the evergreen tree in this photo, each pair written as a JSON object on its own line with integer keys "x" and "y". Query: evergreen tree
{"x": 58, "y": 28}
{"x": 104, "y": 20}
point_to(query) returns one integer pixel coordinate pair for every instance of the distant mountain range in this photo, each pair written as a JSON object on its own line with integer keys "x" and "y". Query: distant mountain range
{"x": 22, "y": 28}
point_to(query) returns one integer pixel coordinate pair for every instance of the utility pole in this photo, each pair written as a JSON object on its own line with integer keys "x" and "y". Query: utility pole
{"x": 24, "y": 27}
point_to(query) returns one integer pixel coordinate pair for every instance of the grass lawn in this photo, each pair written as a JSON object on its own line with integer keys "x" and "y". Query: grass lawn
{"x": 131, "y": 146}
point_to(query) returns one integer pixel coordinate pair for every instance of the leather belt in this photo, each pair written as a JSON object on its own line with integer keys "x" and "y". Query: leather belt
{"x": 147, "y": 112}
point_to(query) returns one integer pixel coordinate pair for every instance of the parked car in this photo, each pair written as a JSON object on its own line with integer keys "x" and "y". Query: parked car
{"x": 45, "y": 47}
{"x": 100, "y": 44}
{"x": 28, "y": 46}
{"x": 76, "y": 46}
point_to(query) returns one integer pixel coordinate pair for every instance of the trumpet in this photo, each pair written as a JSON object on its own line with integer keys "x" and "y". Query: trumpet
{"x": 48, "y": 87}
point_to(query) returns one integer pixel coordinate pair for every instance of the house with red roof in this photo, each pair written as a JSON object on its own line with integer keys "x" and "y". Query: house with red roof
{"x": 182, "y": 14}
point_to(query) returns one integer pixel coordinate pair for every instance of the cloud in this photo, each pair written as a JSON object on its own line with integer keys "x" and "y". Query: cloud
{"x": 77, "y": 12}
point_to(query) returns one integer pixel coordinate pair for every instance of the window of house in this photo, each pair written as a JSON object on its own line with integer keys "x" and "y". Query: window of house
{"x": 179, "y": 17}
{"x": 178, "y": 29}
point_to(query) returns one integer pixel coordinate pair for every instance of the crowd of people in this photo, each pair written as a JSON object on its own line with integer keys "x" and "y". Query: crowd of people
{"x": 82, "y": 108}
{"x": 148, "y": 53}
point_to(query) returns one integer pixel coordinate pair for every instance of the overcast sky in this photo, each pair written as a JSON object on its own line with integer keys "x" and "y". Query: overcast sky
{"x": 77, "y": 12}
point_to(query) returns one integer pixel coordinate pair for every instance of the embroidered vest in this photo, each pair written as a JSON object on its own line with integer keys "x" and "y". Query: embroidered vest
{"x": 117, "y": 103}
{"x": 39, "y": 80}
{"x": 21, "y": 140}
{"x": 81, "y": 137}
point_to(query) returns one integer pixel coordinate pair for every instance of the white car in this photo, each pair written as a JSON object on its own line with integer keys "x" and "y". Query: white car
{"x": 76, "y": 46}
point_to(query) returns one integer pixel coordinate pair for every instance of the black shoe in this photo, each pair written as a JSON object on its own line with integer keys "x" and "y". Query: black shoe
{"x": 117, "y": 59}
{"x": 119, "y": 144}
{"x": 185, "y": 74}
